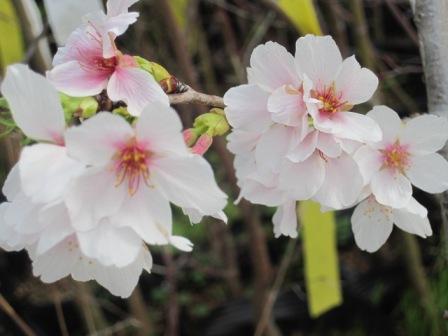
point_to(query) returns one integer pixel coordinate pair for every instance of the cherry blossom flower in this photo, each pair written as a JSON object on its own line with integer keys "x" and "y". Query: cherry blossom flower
{"x": 407, "y": 154}
{"x": 281, "y": 153}
{"x": 35, "y": 216}
{"x": 332, "y": 87}
{"x": 107, "y": 27}
{"x": 372, "y": 222}
{"x": 81, "y": 70}
{"x": 134, "y": 173}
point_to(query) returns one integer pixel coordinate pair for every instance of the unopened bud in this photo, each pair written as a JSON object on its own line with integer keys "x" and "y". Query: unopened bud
{"x": 190, "y": 136}
{"x": 202, "y": 145}
{"x": 214, "y": 123}
{"x": 89, "y": 107}
{"x": 156, "y": 70}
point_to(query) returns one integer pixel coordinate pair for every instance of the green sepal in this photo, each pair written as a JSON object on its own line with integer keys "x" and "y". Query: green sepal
{"x": 156, "y": 70}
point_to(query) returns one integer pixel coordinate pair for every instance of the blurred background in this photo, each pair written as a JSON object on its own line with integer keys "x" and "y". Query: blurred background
{"x": 240, "y": 280}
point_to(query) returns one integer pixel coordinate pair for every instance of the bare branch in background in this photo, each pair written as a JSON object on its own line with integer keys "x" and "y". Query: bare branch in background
{"x": 9, "y": 310}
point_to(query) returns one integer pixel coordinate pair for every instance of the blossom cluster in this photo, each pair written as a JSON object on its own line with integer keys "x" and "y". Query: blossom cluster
{"x": 91, "y": 192}
{"x": 86, "y": 199}
{"x": 295, "y": 137}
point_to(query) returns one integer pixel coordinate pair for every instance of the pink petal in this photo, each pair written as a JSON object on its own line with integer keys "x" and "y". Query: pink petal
{"x": 75, "y": 80}
{"x": 272, "y": 66}
{"x": 136, "y": 88}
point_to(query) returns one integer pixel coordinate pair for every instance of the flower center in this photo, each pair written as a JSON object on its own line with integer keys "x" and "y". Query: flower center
{"x": 131, "y": 164}
{"x": 331, "y": 100}
{"x": 396, "y": 157}
{"x": 106, "y": 64}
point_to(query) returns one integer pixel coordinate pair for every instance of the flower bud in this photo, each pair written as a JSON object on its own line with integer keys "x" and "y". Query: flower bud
{"x": 214, "y": 122}
{"x": 203, "y": 144}
{"x": 156, "y": 70}
{"x": 190, "y": 136}
{"x": 89, "y": 107}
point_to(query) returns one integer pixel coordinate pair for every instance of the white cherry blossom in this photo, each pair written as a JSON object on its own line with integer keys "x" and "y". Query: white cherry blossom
{"x": 406, "y": 155}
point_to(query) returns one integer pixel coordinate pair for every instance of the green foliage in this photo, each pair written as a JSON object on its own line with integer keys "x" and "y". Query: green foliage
{"x": 83, "y": 107}
{"x": 415, "y": 323}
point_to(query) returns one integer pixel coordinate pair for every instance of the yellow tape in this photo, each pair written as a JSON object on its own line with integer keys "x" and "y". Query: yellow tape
{"x": 11, "y": 43}
{"x": 302, "y": 14}
{"x": 321, "y": 258}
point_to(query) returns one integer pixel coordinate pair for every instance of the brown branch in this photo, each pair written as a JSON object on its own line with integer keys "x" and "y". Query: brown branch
{"x": 273, "y": 293}
{"x": 193, "y": 97}
{"x": 9, "y": 310}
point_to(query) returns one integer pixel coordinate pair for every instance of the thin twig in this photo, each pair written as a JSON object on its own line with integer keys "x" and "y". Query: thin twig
{"x": 9, "y": 310}
{"x": 193, "y": 97}
{"x": 273, "y": 293}
{"x": 60, "y": 315}
{"x": 405, "y": 24}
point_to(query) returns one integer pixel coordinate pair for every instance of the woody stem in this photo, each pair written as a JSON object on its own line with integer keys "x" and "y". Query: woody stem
{"x": 193, "y": 97}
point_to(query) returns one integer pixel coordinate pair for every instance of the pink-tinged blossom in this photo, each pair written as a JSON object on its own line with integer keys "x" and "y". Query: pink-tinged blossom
{"x": 81, "y": 70}
{"x": 35, "y": 216}
{"x": 332, "y": 87}
{"x": 372, "y": 222}
{"x": 107, "y": 27}
{"x": 406, "y": 155}
{"x": 282, "y": 154}
{"x": 134, "y": 173}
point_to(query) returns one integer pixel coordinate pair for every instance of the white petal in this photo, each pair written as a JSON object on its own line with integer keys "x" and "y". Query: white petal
{"x": 257, "y": 193}
{"x": 425, "y": 134}
{"x": 358, "y": 127}
{"x": 119, "y": 281}
{"x": 181, "y": 243}
{"x": 22, "y": 216}
{"x": 389, "y": 122}
{"x": 369, "y": 162}
{"x": 247, "y": 108}
{"x": 371, "y": 225}
{"x": 12, "y": 186}
{"x": 304, "y": 148}
{"x": 357, "y": 85}
{"x": 93, "y": 196}
{"x": 110, "y": 245}
{"x": 429, "y": 173}
{"x": 117, "y": 7}
{"x": 97, "y": 140}
{"x": 273, "y": 146}
{"x": 318, "y": 57}
{"x": 285, "y": 220}
{"x": 160, "y": 126}
{"x": 342, "y": 185}
{"x": 327, "y": 144}
{"x": 239, "y": 141}
{"x": 189, "y": 183}
{"x": 302, "y": 180}
{"x": 136, "y": 88}
{"x": 391, "y": 188}
{"x": 57, "y": 227}
{"x": 65, "y": 16}
{"x": 46, "y": 171}
{"x": 34, "y": 104}
{"x": 286, "y": 106}
{"x": 272, "y": 66}
{"x": 148, "y": 213}
{"x": 58, "y": 262}
{"x": 413, "y": 219}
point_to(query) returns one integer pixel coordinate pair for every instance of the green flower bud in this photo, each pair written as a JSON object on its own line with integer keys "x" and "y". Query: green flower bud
{"x": 89, "y": 107}
{"x": 156, "y": 70}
